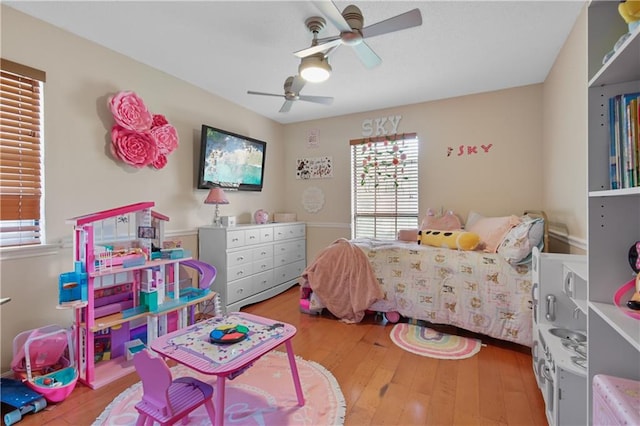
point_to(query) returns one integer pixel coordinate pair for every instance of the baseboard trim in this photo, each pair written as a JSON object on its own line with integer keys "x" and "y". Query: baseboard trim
{"x": 565, "y": 238}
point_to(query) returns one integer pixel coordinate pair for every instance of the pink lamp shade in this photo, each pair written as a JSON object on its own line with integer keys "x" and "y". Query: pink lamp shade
{"x": 216, "y": 196}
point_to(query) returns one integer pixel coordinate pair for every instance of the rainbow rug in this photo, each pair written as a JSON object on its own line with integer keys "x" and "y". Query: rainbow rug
{"x": 262, "y": 395}
{"x": 427, "y": 342}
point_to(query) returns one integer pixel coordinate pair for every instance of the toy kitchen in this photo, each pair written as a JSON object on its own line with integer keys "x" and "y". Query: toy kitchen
{"x": 559, "y": 350}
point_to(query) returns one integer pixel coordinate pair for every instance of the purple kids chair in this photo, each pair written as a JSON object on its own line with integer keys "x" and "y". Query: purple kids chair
{"x": 164, "y": 399}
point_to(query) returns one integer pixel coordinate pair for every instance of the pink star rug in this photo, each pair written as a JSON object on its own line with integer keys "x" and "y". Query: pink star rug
{"x": 427, "y": 342}
{"x": 262, "y": 395}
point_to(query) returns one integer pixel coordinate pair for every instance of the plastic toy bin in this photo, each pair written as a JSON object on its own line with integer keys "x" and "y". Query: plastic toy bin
{"x": 616, "y": 401}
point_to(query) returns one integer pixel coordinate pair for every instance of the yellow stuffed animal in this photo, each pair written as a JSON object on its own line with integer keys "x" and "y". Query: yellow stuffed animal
{"x": 461, "y": 240}
{"x": 630, "y": 12}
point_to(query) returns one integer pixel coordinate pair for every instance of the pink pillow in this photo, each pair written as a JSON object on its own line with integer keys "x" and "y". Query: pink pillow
{"x": 447, "y": 222}
{"x": 408, "y": 235}
{"x": 492, "y": 230}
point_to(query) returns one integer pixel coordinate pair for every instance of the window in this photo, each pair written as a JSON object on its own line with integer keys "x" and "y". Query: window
{"x": 385, "y": 185}
{"x": 20, "y": 154}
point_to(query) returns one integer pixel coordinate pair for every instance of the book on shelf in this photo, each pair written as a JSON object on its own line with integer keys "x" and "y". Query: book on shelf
{"x": 624, "y": 135}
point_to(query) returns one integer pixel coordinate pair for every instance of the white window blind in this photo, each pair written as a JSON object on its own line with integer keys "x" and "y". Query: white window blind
{"x": 20, "y": 154}
{"x": 385, "y": 185}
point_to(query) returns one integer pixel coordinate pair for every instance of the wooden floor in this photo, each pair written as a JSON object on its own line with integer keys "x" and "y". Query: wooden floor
{"x": 382, "y": 383}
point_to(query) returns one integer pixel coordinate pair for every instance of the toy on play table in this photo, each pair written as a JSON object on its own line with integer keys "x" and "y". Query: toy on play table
{"x": 18, "y": 396}
{"x": 44, "y": 359}
{"x": 228, "y": 333}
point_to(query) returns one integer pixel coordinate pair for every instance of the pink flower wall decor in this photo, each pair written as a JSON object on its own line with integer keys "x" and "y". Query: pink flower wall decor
{"x": 130, "y": 112}
{"x": 166, "y": 138}
{"x": 140, "y": 138}
{"x": 136, "y": 149}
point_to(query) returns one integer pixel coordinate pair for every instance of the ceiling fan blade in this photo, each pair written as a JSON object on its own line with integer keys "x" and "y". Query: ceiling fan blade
{"x": 286, "y": 106}
{"x": 264, "y": 94}
{"x": 298, "y": 84}
{"x": 412, "y": 18}
{"x": 367, "y": 55}
{"x": 333, "y": 14}
{"x": 326, "y": 100}
{"x": 320, "y": 47}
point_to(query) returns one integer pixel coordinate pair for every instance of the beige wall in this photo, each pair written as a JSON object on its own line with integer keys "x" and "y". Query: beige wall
{"x": 504, "y": 180}
{"x": 564, "y": 165}
{"x": 81, "y": 177}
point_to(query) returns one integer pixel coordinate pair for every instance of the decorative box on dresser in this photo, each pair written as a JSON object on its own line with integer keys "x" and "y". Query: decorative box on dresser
{"x": 613, "y": 214}
{"x": 254, "y": 262}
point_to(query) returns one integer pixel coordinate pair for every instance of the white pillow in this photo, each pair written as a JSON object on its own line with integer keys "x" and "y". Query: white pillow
{"x": 520, "y": 240}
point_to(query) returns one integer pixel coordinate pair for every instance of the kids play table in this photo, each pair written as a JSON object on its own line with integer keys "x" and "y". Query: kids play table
{"x": 192, "y": 347}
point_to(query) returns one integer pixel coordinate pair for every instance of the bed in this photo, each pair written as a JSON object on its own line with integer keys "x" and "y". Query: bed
{"x": 487, "y": 291}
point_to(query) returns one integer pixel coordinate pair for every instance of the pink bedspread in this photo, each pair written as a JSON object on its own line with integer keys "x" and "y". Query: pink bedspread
{"x": 343, "y": 279}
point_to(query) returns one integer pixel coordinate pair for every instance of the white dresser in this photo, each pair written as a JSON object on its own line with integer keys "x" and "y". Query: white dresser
{"x": 253, "y": 262}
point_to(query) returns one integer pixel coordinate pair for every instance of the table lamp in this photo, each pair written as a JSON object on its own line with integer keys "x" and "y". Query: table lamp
{"x": 216, "y": 196}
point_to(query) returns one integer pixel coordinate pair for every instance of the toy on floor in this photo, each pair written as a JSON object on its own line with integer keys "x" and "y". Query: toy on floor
{"x": 17, "y": 395}
{"x": 308, "y": 302}
{"x": 44, "y": 359}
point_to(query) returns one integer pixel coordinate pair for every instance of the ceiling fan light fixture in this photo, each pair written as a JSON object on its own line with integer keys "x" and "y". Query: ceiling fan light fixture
{"x": 315, "y": 68}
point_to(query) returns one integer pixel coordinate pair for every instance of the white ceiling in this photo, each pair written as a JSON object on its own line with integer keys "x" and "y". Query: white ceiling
{"x": 229, "y": 47}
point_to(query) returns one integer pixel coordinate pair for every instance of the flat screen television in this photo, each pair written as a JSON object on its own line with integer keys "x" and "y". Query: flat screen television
{"x": 230, "y": 161}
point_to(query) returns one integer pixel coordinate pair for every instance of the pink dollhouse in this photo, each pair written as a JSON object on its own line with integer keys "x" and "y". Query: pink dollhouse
{"x": 125, "y": 289}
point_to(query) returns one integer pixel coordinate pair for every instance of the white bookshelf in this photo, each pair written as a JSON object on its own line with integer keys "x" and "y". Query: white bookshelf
{"x": 613, "y": 215}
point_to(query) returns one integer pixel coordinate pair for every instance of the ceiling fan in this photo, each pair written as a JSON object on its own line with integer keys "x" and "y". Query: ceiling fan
{"x": 292, "y": 87}
{"x": 350, "y": 23}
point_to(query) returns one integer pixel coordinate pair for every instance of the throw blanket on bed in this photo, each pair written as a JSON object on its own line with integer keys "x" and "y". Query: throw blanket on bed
{"x": 343, "y": 279}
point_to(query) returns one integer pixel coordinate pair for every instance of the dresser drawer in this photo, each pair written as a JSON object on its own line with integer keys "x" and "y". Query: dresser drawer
{"x": 251, "y": 236}
{"x": 288, "y": 272}
{"x": 289, "y": 252}
{"x": 240, "y": 289}
{"x": 240, "y": 271}
{"x": 263, "y": 281}
{"x": 283, "y": 232}
{"x": 288, "y": 247}
{"x": 235, "y": 238}
{"x": 262, "y": 265}
{"x": 239, "y": 257}
{"x": 263, "y": 252}
{"x": 285, "y": 259}
{"x": 266, "y": 234}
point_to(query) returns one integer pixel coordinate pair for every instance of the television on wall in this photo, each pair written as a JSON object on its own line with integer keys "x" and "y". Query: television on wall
{"x": 230, "y": 161}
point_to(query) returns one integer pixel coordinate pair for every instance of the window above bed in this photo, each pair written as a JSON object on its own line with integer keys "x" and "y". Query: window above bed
{"x": 384, "y": 195}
